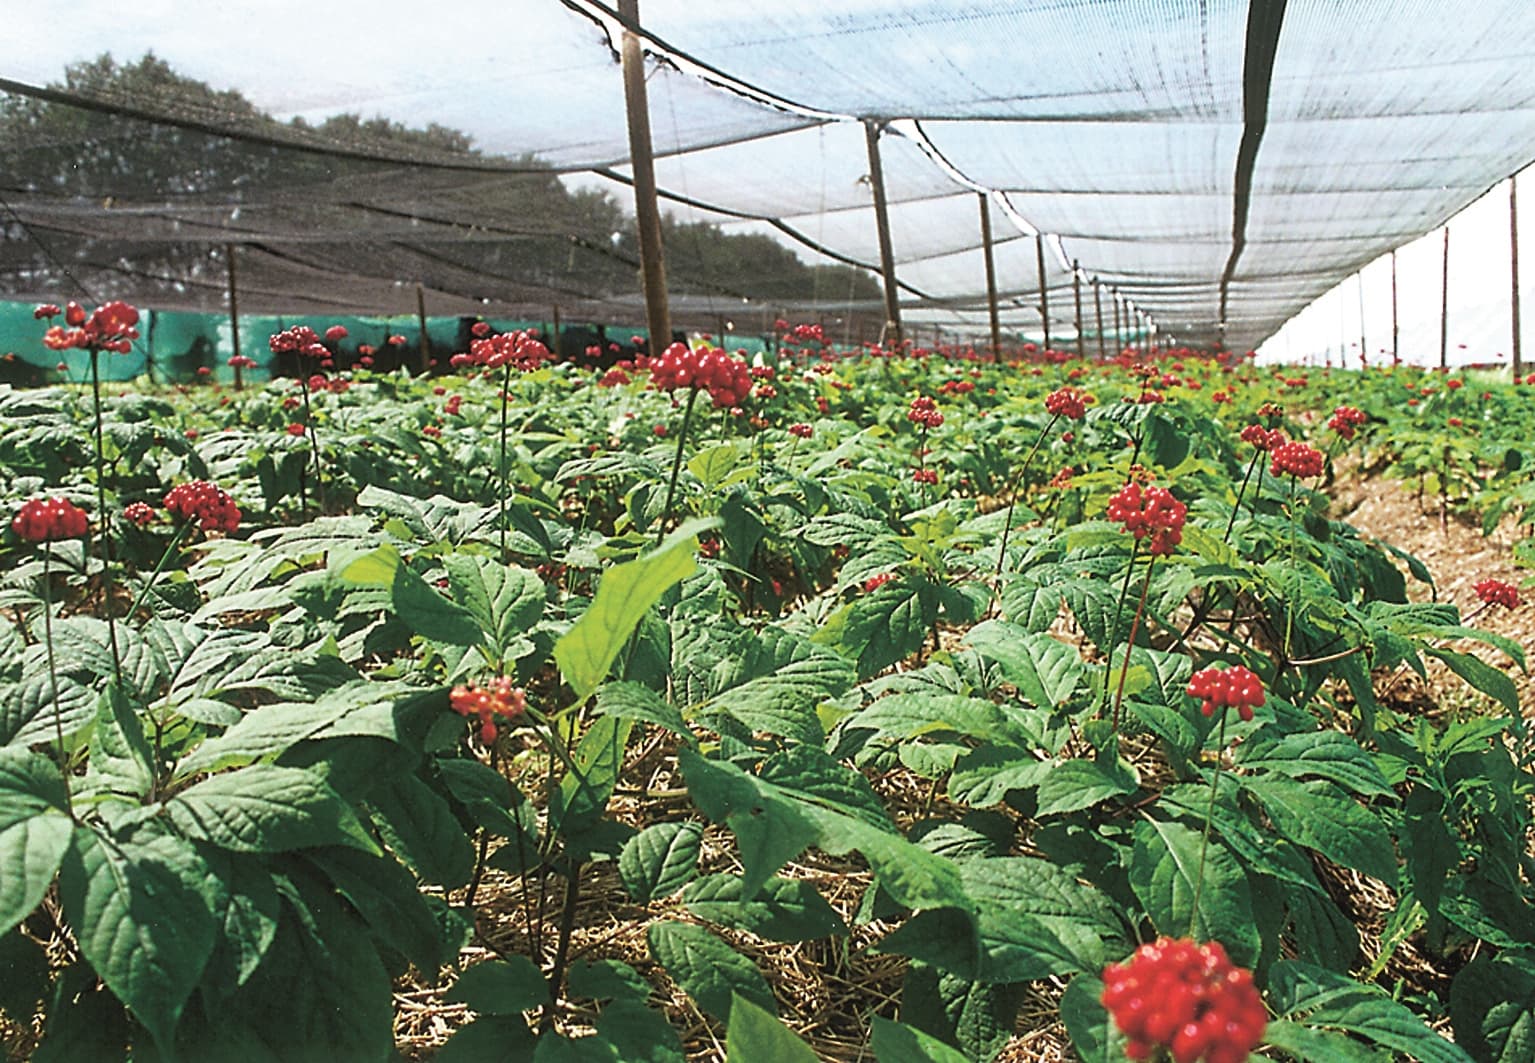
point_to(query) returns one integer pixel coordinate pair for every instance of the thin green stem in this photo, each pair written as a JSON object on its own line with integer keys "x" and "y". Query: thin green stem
{"x": 1012, "y": 490}
{"x": 1289, "y": 612}
{"x": 1231, "y": 523}
{"x": 506, "y": 386}
{"x": 1135, "y": 625}
{"x": 53, "y": 674}
{"x": 671, "y": 488}
{"x": 314, "y": 448}
{"x": 1204, "y": 844}
{"x": 159, "y": 568}
{"x": 101, "y": 508}
{"x": 1124, "y": 592}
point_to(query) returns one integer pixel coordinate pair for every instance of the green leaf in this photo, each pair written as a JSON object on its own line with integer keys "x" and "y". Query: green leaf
{"x": 269, "y": 730}
{"x": 607, "y": 980}
{"x": 1492, "y": 1006}
{"x": 710, "y": 971}
{"x": 1093, "y": 1033}
{"x": 489, "y": 798}
{"x": 23, "y": 976}
{"x": 419, "y": 826}
{"x": 1320, "y": 816}
{"x": 1481, "y": 675}
{"x": 500, "y": 987}
{"x": 429, "y": 614}
{"x": 985, "y": 776}
{"x": 1319, "y": 754}
{"x": 1165, "y": 875}
{"x": 638, "y": 1034}
{"x": 1073, "y": 785}
{"x": 978, "y": 1017}
{"x": 144, "y": 929}
{"x": 504, "y": 600}
{"x": 895, "y": 1042}
{"x": 660, "y": 860}
{"x": 887, "y": 626}
{"x": 782, "y": 910}
{"x": 1323, "y": 999}
{"x": 587, "y": 651}
{"x": 1311, "y": 1045}
{"x": 263, "y": 808}
{"x": 713, "y": 465}
{"x": 632, "y": 701}
{"x": 33, "y": 711}
{"x": 756, "y": 1035}
{"x": 585, "y": 789}
{"x": 783, "y": 702}
{"x": 906, "y": 716}
{"x": 493, "y": 1039}
{"x": 387, "y": 897}
{"x": 34, "y": 832}
{"x": 1045, "y": 670}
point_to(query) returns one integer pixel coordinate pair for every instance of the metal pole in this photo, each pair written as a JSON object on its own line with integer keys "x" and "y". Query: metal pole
{"x": 234, "y": 316}
{"x": 1076, "y": 288}
{"x": 425, "y": 353}
{"x": 1396, "y": 353}
{"x": 991, "y": 278}
{"x": 1513, "y": 261}
{"x": 882, "y": 221}
{"x": 1098, "y": 310}
{"x": 647, "y": 212}
{"x": 1044, "y": 293}
{"x": 1444, "y": 307}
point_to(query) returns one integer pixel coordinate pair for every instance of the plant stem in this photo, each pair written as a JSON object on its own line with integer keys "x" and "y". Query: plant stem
{"x": 562, "y": 948}
{"x": 1135, "y": 624}
{"x": 1204, "y": 845}
{"x": 159, "y": 567}
{"x": 101, "y": 506}
{"x": 1012, "y": 490}
{"x": 314, "y": 448}
{"x": 1231, "y": 523}
{"x": 671, "y": 488}
{"x": 1124, "y": 592}
{"x": 53, "y": 675}
{"x": 1289, "y": 612}
{"x": 506, "y": 385}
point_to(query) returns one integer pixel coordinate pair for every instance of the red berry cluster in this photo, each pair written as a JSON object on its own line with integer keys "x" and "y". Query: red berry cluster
{"x": 497, "y": 698}
{"x": 924, "y": 476}
{"x": 46, "y": 520}
{"x": 1265, "y": 439}
{"x": 874, "y": 583}
{"x": 336, "y": 333}
{"x": 1345, "y": 419}
{"x": 1189, "y": 999}
{"x": 727, "y": 380}
{"x": 110, "y": 328}
{"x": 1298, "y": 460}
{"x": 1235, "y": 688}
{"x": 1150, "y": 511}
{"x": 1067, "y": 403}
{"x": 299, "y": 338}
{"x": 139, "y": 514}
{"x": 522, "y": 351}
{"x": 801, "y": 430}
{"x": 209, "y": 505}
{"x": 924, "y": 411}
{"x": 1496, "y": 592}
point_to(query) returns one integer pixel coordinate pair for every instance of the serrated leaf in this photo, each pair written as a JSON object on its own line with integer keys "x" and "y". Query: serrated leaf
{"x": 1319, "y": 754}
{"x": 1072, "y": 785}
{"x": 500, "y": 987}
{"x": 598, "y": 758}
{"x": 1311, "y": 1045}
{"x": 33, "y": 710}
{"x": 1320, "y": 816}
{"x": 639, "y": 1034}
{"x": 632, "y": 701}
{"x": 660, "y": 860}
{"x": 145, "y": 931}
{"x": 895, "y": 1042}
{"x": 1045, "y": 670}
{"x": 1481, "y": 675}
{"x": 504, "y": 600}
{"x": 984, "y": 777}
{"x": 1492, "y": 1006}
{"x": 34, "y": 832}
{"x": 710, "y": 971}
{"x": 121, "y": 761}
{"x": 269, "y": 730}
{"x": 429, "y": 614}
{"x": 756, "y": 1035}
{"x": 263, "y": 808}
{"x": 607, "y": 979}
{"x": 1165, "y": 872}
{"x": 625, "y": 594}
{"x": 905, "y": 716}
{"x": 884, "y": 627}
{"x": 1093, "y": 1033}
{"x": 782, "y": 910}
{"x": 1316, "y": 997}
{"x": 417, "y": 824}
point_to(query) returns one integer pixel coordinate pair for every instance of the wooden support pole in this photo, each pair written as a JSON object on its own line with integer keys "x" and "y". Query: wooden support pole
{"x": 234, "y": 317}
{"x": 424, "y": 354}
{"x": 647, "y": 212}
{"x": 556, "y": 345}
{"x": 1513, "y": 261}
{"x": 1044, "y": 291}
{"x": 1076, "y": 288}
{"x": 1444, "y": 307}
{"x": 991, "y": 279}
{"x": 1364, "y": 351}
{"x": 1396, "y": 352}
{"x": 1119, "y": 335}
{"x": 882, "y": 221}
{"x": 1098, "y": 312}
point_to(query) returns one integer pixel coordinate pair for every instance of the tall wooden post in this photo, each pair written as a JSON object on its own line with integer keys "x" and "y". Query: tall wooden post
{"x": 234, "y": 317}
{"x": 425, "y": 352}
{"x": 1396, "y": 332}
{"x": 1444, "y": 307}
{"x": 1364, "y": 351}
{"x": 556, "y": 346}
{"x": 1513, "y": 261}
{"x": 1076, "y": 288}
{"x": 1098, "y": 313}
{"x": 882, "y": 221}
{"x": 647, "y": 212}
{"x": 991, "y": 278}
{"x": 1119, "y": 335}
{"x": 1044, "y": 293}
